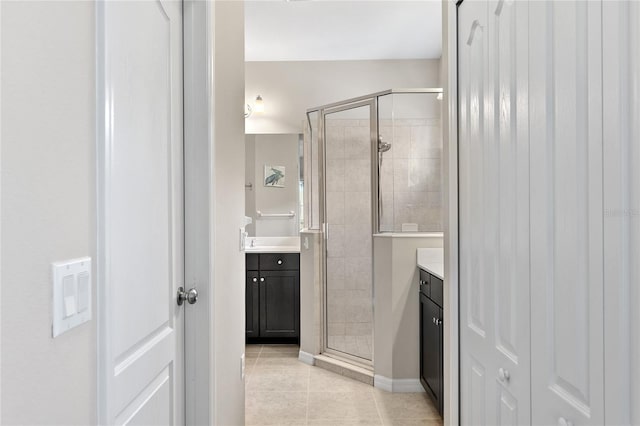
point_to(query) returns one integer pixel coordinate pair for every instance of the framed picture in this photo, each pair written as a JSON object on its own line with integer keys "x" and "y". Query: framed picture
{"x": 274, "y": 176}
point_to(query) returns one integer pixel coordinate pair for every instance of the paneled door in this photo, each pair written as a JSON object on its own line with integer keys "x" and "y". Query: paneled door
{"x": 531, "y": 212}
{"x": 141, "y": 241}
{"x": 494, "y": 213}
{"x": 567, "y": 293}
{"x": 621, "y": 159}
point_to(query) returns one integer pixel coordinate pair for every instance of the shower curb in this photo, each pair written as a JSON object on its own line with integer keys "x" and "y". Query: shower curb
{"x": 345, "y": 369}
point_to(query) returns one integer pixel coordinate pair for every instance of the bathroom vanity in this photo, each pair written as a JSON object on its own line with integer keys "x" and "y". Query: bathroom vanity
{"x": 430, "y": 263}
{"x": 272, "y": 294}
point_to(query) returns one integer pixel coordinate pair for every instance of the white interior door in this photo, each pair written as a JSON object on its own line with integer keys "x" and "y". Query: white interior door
{"x": 567, "y": 298}
{"x": 141, "y": 213}
{"x": 531, "y": 212}
{"x": 621, "y": 152}
{"x": 494, "y": 212}
{"x": 476, "y": 304}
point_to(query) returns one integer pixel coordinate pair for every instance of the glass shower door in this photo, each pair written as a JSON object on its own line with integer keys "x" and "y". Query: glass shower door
{"x": 349, "y": 218}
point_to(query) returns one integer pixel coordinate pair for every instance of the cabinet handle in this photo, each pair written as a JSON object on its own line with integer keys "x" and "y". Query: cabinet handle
{"x": 438, "y": 321}
{"x": 564, "y": 422}
{"x": 261, "y": 280}
{"x": 504, "y": 376}
{"x": 433, "y": 320}
{"x": 255, "y": 280}
{"x": 279, "y": 261}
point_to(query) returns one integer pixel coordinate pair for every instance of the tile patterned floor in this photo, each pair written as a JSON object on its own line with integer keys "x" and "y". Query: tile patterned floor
{"x": 280, "y": 390}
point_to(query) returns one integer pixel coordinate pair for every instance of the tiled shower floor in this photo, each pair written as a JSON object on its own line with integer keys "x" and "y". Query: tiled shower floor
{"x": 280, "y": 390}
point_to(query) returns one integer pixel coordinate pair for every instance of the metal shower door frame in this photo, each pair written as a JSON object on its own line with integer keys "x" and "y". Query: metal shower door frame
{"x": 372, "y": 102}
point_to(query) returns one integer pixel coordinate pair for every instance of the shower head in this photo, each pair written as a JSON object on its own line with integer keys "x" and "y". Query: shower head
{"x": 383, "y": 146}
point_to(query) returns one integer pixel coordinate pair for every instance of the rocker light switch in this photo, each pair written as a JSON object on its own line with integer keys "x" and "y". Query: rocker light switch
{"x": 83, "y": 291}
{"x": 69, "y": 289}
{"x": 71, "y": 294}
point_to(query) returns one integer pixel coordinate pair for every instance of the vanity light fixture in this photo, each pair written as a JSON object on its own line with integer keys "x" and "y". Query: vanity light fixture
{"x": 258, "y": 106}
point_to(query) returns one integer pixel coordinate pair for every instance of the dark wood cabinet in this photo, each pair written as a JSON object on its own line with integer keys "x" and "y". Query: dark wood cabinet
{"x": 279, "y": 304}
{"x": 273, "y": 297}
{"x": 431, "y": 338}
{"x": 252, "y": 301}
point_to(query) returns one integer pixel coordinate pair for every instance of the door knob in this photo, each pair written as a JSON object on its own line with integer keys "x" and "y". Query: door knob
{"x": 190, "y": 296}
{"x": 503, "y": 375}
{"x": 255, "y": 280}
{"x": 564, "y": 422}
{"x": 262, "y": 280}
{"x": 279, "y": 261}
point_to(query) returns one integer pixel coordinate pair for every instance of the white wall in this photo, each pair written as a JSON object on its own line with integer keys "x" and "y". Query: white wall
{"x": 48, "y": 206}
{"x": 450, "y": 209}
{"x": 290, "y": 88}
{"x": 228, "y": 212}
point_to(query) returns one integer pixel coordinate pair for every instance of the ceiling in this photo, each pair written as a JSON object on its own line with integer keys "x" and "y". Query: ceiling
{"x": 324, "y": 30}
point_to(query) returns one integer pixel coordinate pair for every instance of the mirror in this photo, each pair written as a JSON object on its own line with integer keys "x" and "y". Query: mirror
{"x": 274, "y": 184}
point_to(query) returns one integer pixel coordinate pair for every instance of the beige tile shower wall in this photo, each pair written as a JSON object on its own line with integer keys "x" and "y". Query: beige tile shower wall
{"x": 349, "y": 246}
{"x": 411, "y": 175}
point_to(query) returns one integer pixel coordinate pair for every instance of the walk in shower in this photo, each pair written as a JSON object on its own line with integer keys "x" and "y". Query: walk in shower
{"x": 373, "y": 165}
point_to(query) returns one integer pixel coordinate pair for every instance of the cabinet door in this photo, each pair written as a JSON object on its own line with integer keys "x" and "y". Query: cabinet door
{"x": 430, "y": 348}
{"x": 425, "y": 322}
{"x": 279, "y": 303}
{"x": 494, "y": 212}
{"x": 567, "y": 326}
{"x": 252, "y": 310}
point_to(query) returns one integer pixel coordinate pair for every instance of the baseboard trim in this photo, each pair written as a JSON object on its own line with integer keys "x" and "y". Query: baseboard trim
{"x": 397, "y": 385}
{"x": 307, "y": 358}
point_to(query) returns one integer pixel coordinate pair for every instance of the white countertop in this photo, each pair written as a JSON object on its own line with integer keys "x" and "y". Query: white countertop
{"x": 273, "y": 249}
{"x": 272, "y": 245}
{"x": 409, "y": 235}
{"x": 431, "y": 260}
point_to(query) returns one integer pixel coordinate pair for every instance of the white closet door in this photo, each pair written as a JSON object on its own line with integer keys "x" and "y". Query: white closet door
{"x": 621, "y": 127}
{"x": 494, "y": 212}
{"x": 567, "y": 336}
{"x": 476, "y": 303}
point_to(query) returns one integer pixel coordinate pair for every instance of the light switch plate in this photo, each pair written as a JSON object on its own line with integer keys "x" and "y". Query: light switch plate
{"x": 71, "y": 294}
